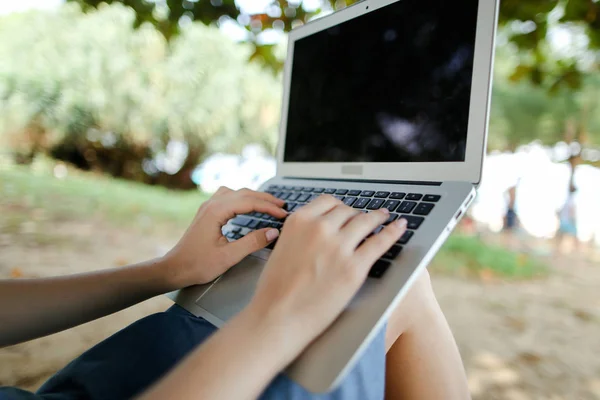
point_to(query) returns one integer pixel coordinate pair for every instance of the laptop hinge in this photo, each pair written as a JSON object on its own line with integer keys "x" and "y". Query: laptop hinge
{"x": 417, "y": 183}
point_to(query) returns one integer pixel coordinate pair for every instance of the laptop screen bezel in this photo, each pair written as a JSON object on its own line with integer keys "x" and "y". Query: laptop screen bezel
{"x": 470, "y": 170}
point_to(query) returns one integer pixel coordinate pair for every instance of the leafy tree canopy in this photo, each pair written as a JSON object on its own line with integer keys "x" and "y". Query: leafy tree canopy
{"x": 530, "y": 25}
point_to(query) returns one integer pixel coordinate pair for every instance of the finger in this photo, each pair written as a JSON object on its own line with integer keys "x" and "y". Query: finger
{"x": 261, "y": 195}
{"x": 340, "y": 215}
{"x": 377, "y": 245}
{"x": 362, "y": 225}
{"x": 244, "y": 205}
{"x": 320, "y": 206}
{"x": 250, "y": 243}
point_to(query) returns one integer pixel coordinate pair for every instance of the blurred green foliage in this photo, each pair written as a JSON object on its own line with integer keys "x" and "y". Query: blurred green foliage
{"x": 92, "y": 89}
{"x": 526, "y": 21}
{"x": 96, "y": 89}
{"x": 523, "y": 112}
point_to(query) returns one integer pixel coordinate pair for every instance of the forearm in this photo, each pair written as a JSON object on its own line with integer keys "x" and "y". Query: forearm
{"x": 31, "y": 308}
{"x": 237, "y": 362}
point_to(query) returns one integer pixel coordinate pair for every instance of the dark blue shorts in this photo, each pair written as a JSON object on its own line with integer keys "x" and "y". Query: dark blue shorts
{"x": 128, "y": 362}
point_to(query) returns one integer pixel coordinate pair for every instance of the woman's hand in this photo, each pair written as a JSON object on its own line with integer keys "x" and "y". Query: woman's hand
{"x": 203, "y": 253}
{"x": 318, "y": 265}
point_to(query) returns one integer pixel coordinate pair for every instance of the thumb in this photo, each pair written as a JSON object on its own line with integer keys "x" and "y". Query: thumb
{"x": 252, "y": 242}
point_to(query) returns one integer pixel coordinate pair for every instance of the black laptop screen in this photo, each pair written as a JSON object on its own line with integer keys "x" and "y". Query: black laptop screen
{"x": 391, "y": 86}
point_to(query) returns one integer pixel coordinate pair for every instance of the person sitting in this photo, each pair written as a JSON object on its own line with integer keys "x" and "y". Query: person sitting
{"x": 316, "y": 268}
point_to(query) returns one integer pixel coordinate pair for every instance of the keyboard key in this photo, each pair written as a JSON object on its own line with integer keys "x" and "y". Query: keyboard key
{"x": 289, "y": 206}
{"x": 236, "y": 229}
{"x": 367, "y": 193}
{"x": 237, "y": 236}
{"x": 285, "y": 195}
{"x": 434, "y": 198}
{"x": 339, "y": 197}
{"x": 361, "y": 202}
{"x": 375, "y": 204}
{"x": 304, "y": 198}
{"x": 391, "y": 205}
{"x": 341, "y": 191}
{"x": 298, "y": 188}
{"x": 354, "y": 193}
{"x": 382, "y": 195}
{"x": 391, "y": 219}
{"x": 241, "y": 221}
{"x": 230, "y": 235}
{"x": 262, "y": 224}
{"x": 307, "y": 189}
{"x": 253, "y": 224}
{"x": 318, "y": 190}
{"x": 393, "y": 252}
{"x": 349, "y": 201}
{"x": 406, "y": 237}
{"x": 407, "y": 206}
{"x": 312, "y": 197}
{"x": 292, "y": 207}
{"x": 329, "y": 191}
{"x": 423, "y": 209}
{"x": 379, "y": 269}
{"x": 276, "y": 225}
{"x": 414, "y": 196}
{"x": 274, "y": 187}
{"x": 287, "y": 187}
{"x": 377, "y": 230}
{"x": 397, "y": 195}
{"x": 294, "y": 196}
{"x": 413, "y": 222}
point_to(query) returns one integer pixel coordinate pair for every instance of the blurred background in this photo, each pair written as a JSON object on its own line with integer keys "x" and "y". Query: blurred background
{"x": 117, "y": 119}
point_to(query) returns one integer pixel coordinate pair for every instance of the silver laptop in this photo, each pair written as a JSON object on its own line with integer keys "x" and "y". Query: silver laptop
{"x": 385, "y": 105}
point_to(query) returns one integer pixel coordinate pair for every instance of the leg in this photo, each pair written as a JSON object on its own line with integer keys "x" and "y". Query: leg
{"x": 423, "y": 361}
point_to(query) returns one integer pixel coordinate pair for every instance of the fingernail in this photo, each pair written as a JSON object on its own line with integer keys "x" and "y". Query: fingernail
{"x": 272, "y": 234}
{"x": 385, "y": 210}
{"x": 401, "y": 223}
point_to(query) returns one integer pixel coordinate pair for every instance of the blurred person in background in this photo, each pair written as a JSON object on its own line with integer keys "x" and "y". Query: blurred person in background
{"x": 511, "y": 221}
{"x": 567, "y": 230}
{"x": 510, "y": 225}
{"x": 318, "y": 265}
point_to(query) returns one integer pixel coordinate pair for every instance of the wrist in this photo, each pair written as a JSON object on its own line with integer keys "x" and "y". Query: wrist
{"x": 284, "y": 338}
{"x": 167, "y": 270}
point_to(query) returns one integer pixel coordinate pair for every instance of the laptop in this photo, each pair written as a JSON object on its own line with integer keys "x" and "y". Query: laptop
{"x": 385, "y": 104}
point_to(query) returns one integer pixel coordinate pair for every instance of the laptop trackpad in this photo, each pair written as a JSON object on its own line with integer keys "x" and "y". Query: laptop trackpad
{"x": 230, "y": 294}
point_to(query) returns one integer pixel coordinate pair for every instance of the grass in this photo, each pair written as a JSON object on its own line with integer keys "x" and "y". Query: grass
{"x": 28, "y": 192}
{"x": 83, "y": 195}
{"x": 470, "y": 256}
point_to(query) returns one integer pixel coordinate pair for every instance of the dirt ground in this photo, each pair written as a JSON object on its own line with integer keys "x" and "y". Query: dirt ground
{"x": 519, "y": 341}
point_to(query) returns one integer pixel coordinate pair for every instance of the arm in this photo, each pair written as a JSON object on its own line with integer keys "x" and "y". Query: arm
{"x": 31, "y": 308}
{"x": 317, "y": 267}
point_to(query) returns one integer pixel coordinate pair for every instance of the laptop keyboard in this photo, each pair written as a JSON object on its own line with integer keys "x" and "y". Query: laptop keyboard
{"x": 414, "y": 207}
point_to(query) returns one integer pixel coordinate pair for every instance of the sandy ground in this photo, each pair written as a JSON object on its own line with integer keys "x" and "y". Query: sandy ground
{"x": 520, "y": 341}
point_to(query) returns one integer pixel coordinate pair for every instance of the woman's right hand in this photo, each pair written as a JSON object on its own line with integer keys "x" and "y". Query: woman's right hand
{"x": 318, "y": 265}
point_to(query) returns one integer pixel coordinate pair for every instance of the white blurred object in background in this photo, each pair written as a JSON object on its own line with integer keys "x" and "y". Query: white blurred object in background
{"x": 249, "y": 170}
{"x": 542, "y": 187}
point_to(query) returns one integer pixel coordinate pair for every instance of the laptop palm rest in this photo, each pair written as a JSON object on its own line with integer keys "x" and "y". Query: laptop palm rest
{"x": 229, "y": 296}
